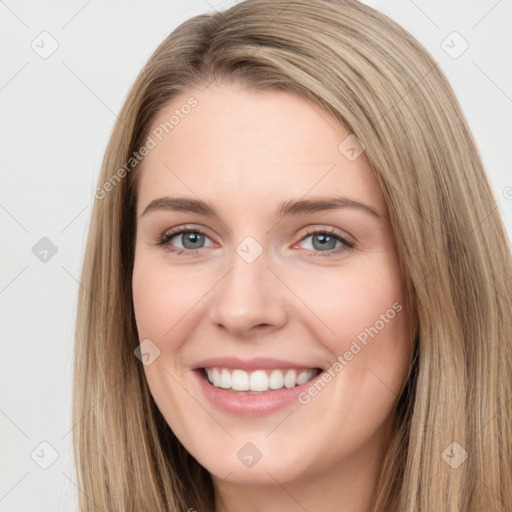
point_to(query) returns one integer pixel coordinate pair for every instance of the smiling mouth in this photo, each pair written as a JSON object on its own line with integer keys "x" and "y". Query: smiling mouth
{"x": 258, "y": 381}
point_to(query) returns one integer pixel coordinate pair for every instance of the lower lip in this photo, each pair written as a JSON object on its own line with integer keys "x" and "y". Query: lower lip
{"x": 244, "y": 404}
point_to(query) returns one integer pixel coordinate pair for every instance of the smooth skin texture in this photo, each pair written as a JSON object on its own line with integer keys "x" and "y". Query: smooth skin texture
{"x": 304, "y": 299}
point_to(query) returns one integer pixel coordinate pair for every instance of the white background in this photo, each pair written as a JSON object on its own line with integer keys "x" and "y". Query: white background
{"x": 56, "y": 115}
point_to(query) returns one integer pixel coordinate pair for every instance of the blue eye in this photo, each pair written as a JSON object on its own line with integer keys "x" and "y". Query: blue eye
{"x": 324, "y": 242}
{"x": 190, "y": 239}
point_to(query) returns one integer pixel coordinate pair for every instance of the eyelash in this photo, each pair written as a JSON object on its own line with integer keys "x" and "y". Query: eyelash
{"x": 165, "y": 238}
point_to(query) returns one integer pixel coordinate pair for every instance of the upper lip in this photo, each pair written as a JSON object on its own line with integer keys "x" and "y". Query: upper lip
{"x": 257, "y": 363}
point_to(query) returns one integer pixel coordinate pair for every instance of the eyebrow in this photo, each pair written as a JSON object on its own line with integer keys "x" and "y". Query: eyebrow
{"x": 287, "y": 208}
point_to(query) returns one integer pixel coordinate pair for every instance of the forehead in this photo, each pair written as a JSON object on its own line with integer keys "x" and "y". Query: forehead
{"x": 239, "y": 143}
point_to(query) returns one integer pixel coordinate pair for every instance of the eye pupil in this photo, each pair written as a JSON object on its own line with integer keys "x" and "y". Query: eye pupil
{"x": 324, "y": 241}
{"x": 194, "y": 238}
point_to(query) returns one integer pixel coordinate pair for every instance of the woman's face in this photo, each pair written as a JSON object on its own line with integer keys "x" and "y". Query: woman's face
{"x": 288, "y": 268}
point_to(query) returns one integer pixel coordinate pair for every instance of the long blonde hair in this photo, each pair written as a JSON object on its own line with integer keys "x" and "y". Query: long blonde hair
{"x": 381, "y": 84}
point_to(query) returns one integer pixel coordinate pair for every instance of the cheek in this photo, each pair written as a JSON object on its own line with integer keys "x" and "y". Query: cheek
{"x": 358, "y": 313}
{"x": 347, "y": 302}
{"x": 161, "y": 297}
{"x": 163, "y": 300}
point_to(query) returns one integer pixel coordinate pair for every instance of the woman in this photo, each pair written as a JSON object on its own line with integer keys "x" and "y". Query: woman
{"x": 296, "y": 293}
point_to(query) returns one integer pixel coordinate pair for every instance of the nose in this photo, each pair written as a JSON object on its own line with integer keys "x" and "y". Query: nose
{"x": 249, "y": 300}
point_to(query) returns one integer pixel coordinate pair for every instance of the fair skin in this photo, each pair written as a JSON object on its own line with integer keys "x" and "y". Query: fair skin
{"x": 245, "y": 152}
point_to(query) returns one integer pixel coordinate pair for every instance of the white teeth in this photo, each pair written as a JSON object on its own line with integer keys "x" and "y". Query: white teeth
{"x": 239, "y": 380}
{"x": 225, "y": 379}
{"x": 259, "y": 380}
{"x": 276, "y": 379}
{"x": 302, "y": 378}
{"x": 290, "y": 379}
